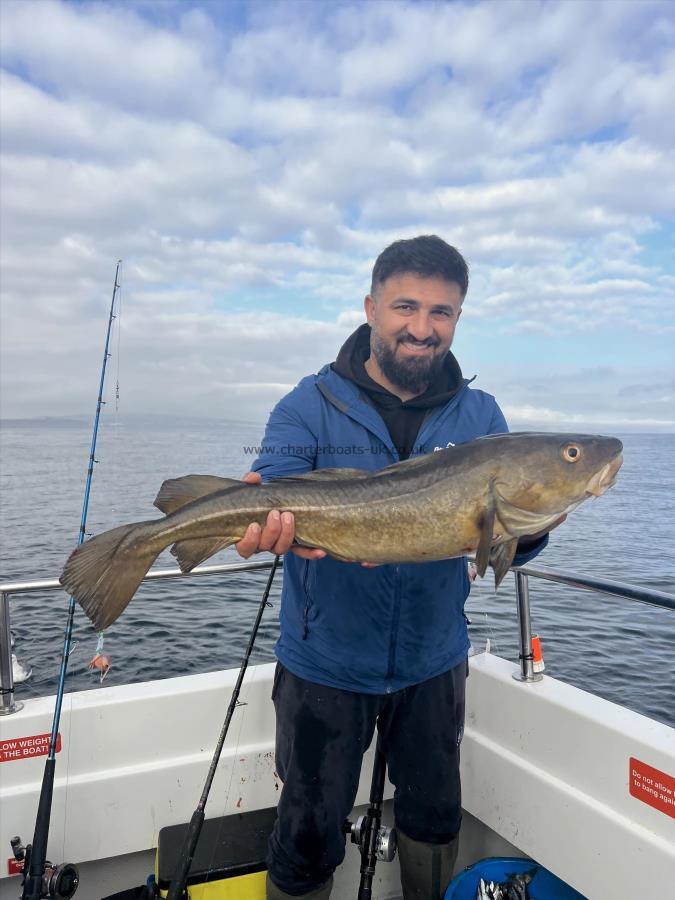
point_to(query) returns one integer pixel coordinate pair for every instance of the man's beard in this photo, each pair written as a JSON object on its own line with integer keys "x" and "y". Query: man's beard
{"x": 412, "y": 374}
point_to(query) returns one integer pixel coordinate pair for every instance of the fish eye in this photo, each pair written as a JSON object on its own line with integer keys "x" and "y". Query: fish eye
{"x": 571, "y": 453}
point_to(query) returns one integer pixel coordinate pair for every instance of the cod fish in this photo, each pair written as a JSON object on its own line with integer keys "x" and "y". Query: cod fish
{"x": 475, "y": 497}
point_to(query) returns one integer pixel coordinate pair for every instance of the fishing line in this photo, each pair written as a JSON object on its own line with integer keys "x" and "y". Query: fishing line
{"x": 114, "y": 324}
{"x": 235, "y": 758}
{"x": 118, "y": 325}
{"x": 491, "y": 638}
{"x": 104, "y": 667}
{"x": 243, "y": 704}
{"x": 179, "y": 879}
{"x": 116, "y": 440}
{"x": 35, "y": 861}
{"x": 66, "y": 750}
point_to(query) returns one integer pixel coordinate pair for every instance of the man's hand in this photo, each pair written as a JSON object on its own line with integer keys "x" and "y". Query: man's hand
{"x": 277, "y": 536}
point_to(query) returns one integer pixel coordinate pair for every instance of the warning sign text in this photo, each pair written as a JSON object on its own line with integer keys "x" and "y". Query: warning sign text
{"x": 33, "y": 745}
{"x": 652, "y": 786}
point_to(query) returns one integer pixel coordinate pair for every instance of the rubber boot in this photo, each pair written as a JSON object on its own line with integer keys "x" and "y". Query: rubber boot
{"x": 320, "y": 893}
{"x": 426, "y": 869}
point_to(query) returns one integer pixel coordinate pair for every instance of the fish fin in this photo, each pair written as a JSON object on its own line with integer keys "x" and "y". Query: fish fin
{"x": 101, "y": 579}
{"x": 414, "y": 462}
{"x": 486, "y": 531}
{"x": 177, "y": 492}
{"x": 194, "y": 551}
{"x": 331, "y": 474}
{"x": 501, "y": 558}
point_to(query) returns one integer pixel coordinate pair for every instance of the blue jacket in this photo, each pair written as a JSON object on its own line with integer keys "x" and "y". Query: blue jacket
{"x": 370, "y": 630}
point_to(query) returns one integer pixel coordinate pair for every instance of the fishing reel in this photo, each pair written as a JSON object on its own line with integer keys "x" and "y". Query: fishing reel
{"x": 374, "y": 840}
{"x": 384, "y": 843}
{"x": 60, "y": 881}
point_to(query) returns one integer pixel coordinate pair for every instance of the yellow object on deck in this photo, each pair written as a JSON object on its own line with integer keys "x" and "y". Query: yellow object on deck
{"x": 229, "y": 861}
{"x": 241, "y": 887}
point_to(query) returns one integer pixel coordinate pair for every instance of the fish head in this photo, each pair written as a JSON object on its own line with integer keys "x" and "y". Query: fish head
{"x": 544, "y": 476}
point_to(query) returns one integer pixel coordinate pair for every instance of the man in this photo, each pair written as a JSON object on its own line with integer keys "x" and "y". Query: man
{"x": 382, "y": 646}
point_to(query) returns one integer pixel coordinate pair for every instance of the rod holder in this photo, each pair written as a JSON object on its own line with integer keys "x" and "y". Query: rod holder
{"x": 526, "y": 656}
{"x": 8, "y": 705}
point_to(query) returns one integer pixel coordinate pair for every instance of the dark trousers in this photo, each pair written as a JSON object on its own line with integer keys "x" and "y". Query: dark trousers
{"x": 322, "y": 734}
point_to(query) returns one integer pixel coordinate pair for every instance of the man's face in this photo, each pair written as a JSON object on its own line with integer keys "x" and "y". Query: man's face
{"x": 412, "y": 322}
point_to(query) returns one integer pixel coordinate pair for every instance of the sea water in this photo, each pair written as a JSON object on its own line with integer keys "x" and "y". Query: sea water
{"x": 618, "y": 649}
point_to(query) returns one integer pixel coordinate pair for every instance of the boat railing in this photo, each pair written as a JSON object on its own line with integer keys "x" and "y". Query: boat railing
{"x": 525, "y": 672}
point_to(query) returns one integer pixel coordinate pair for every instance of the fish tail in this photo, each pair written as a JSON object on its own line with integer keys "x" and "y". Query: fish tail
{"x": 104, "y": 573}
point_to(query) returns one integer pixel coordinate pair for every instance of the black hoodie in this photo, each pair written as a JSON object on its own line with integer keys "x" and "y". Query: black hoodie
{"x": 402, "y": 417}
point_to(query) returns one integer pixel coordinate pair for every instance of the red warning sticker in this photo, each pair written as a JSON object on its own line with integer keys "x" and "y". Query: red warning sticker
{"x": 14, "y": 866}
{"x": 20, "y": 748}
{"x": 652, "y": 786}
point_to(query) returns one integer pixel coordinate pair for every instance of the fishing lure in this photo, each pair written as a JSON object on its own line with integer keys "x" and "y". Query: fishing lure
{"x": 100, "y": 661}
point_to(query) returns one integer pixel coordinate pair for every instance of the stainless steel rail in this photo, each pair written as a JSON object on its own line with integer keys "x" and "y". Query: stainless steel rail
{"x": 523, "y": 573}
{"x": 587, "y": 583}
{"x": 599, "y": 585}
{"x": 7, "y": 703}
{"x": 526, "y": 654}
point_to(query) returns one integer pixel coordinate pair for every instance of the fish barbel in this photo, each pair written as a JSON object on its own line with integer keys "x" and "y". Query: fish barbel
{"x": 475, "y": 497}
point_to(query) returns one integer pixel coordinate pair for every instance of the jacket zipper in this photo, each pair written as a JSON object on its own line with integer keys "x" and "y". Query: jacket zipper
{"x": 373, "y": 426}
{"x": 308, "y": 602}
{"x": 434, "y": 421}
{"x": 393, "y": 642}
{"x": 385, "y": 437}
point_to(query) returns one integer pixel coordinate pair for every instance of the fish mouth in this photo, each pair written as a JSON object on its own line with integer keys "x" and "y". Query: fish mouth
{"x": 605, "y": 477}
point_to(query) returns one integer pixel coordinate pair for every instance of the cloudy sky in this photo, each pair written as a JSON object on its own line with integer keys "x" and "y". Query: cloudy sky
{"x": 248, "y": 161}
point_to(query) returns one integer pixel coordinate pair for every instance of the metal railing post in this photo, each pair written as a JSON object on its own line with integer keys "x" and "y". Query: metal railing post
{"x": 586, "y": 582}
{"x": 526, "y": 672}
{"x": 7, "y": 703}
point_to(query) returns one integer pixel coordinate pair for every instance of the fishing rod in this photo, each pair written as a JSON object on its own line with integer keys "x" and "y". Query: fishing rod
{"x": 374, "y": 840}
{"x": 41, "y": 878}
{"x": 180, "y": 876}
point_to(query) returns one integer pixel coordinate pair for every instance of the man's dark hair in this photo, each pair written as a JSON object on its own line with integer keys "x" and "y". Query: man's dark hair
{"x": 427, "y": 255}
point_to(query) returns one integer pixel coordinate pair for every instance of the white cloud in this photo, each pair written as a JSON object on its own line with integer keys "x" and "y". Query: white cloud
{"x": 248, "y": 174}
{"x": 352, "y": 318}
{"x": 68, "y": 45}
{"x": 540, "y": 415}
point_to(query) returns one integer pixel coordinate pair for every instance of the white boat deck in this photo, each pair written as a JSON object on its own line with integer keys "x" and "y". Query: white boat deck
{"x": 546, "y": 772}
